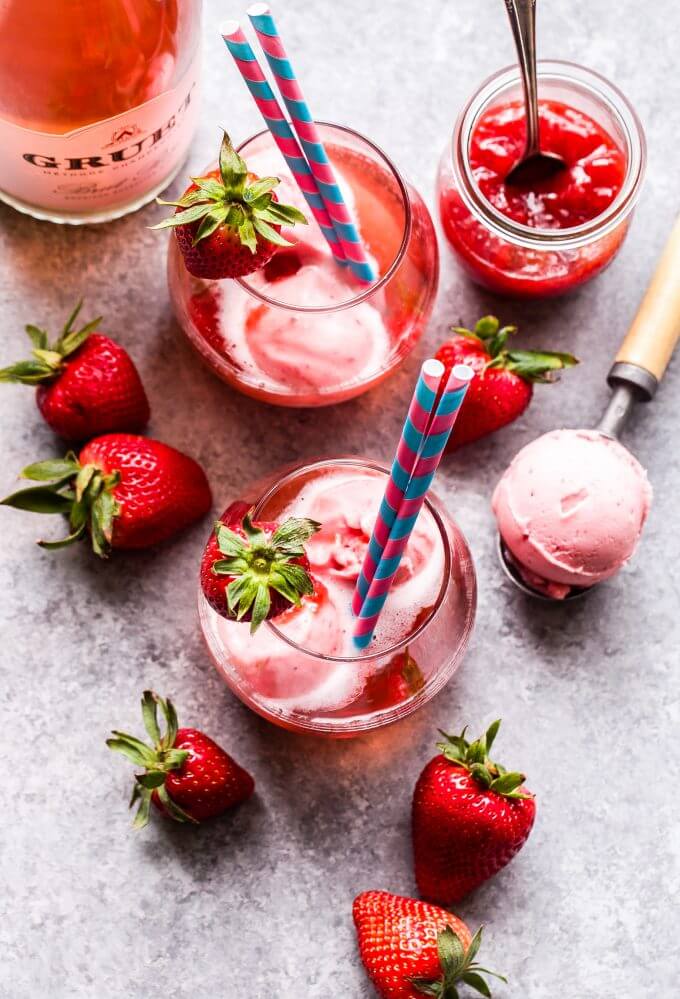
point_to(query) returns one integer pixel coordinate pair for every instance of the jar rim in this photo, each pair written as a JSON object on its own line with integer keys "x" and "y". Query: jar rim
{"x": 433, "y": 505}
{"x": 529, "y": 237}
{"x": 369, "y": 291}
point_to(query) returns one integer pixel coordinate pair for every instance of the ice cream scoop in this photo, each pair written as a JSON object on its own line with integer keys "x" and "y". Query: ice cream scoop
{"x": 571, "y": 506}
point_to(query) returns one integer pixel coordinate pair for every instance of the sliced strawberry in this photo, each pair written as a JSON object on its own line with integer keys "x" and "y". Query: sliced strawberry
{"x": 252, "y": 572}
{"x": 503, "y": 384}
{"x": 187, "y": 776}
{"x": 228, "y": 223}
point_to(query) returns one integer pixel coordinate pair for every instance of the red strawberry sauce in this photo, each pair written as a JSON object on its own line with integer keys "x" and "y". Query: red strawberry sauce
{"x": 594, "y": 175}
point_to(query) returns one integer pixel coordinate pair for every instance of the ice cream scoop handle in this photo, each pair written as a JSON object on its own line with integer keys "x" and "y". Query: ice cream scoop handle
{"x": 651, "y": 339}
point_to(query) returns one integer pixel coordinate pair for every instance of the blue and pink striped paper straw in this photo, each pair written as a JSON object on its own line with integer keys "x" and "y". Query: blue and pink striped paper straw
{"x": 416, "y": 426}
{"x": 277, "y": 123}
{"x": 303, "y": 122}
{"x": 413, "y": 497}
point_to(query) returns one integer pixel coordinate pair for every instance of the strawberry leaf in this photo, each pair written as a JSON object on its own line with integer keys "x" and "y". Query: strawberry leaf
{"x": 150, "y": 716}
{"x": 491, "y": 734}
{"x": 128, "y": 749}
{"x": 534, "y": 365}
{"x": 260, "y": 187}
{"x": 142, "y": 817}
{"x": 475, "y": 981}
{"x": 210, "y": 223}
{"x": 451, "y": 954}
{"x": 184, "y": 218}
{"x": 261, "y": 606}
{"x": 27, "y": 372}
{"x": 486, "y": 327}
{"x": 209, "y": 187}
{"x": 75, "y": 535}
{"x": 39, "y": 499}
{"x": 60, "y": 469}
{"x": 246, "y": 233}
{"x": 69, "y": 343}
{"x": 427, "y": 987}
{"x": 38, "y": 337}
{"x": 282, "y": 214}
{"x": 271, "y": 235}
{"x": 233, "y": 170}
{"x": 152, "y": 779}
{"x": 290, "y": 537}
{"x": 172, "y": 808}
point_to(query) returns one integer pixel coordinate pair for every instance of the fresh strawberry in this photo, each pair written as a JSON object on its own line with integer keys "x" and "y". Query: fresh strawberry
{"x": 470, "y": 818}
{"x": 399, "y": 680}
{"x": 186, "y": 775}
{"x": 124, "y": 491}
{"x": 255, "y": 571}
{"x": 228, "y": 223}
{"x": 411, "y": 949}
{"x": 86, "y": 383}
{"x": 504, "y": 379}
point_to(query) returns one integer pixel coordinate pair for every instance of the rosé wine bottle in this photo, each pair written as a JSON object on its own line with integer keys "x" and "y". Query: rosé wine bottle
{"x": 98, "y": 103}
{"x": 301, "y": 669}
{"x": 303, "y": 331}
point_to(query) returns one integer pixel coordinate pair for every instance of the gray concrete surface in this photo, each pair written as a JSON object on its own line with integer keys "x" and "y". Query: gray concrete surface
{"x": 258, "y": 904}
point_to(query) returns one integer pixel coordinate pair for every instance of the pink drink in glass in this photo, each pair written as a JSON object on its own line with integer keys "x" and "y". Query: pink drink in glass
{"x": 303, "y": 331}
{"x": 301, "y": 669}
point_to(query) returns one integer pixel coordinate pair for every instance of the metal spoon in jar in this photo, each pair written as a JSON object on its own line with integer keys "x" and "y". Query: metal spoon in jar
{"x": 634, "y": 377}
{"x": 534, "y": 166}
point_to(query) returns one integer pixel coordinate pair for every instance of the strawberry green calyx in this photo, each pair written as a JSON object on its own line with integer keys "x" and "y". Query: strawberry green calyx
{"x": 474, "y": 757}
{"x": 244, "y": 205}
{"x": 458, "y": 967}
{"x": 157, "y": 760}
{"x": 261, "y": 563}
{"x": 48, "y": 359}
{"x": 531, "y": 365}
{"x": 82, "y": 492}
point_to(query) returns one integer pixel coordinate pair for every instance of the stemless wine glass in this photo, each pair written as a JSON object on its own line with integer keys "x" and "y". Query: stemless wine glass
{"x": 302, "y": 331}
{"x": 287, "y": 674}
{"x": 514, "y": 259}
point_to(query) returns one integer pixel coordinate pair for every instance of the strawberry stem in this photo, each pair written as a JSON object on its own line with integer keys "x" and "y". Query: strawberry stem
{"x": 157, "y": 760}
{"x": 458, "y": 965}
{"x": 531, "y": 365}
{"x": 474, "y": 757}
{"x": 48, "y": 359}
{"x": 82, "y": 492}
{"x": 261, "y": 563}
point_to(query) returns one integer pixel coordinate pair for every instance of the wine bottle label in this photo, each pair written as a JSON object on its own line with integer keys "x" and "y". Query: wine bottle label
{"x": 109, "y": 163}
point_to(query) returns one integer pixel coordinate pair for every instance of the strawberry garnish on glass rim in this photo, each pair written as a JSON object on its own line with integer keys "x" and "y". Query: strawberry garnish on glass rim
{"x": 221, "y": 214}
{"x": 253, "y": 572}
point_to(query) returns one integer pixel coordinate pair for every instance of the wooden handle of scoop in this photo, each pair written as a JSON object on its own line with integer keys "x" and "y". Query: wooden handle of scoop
{"x": 656, "y": 328}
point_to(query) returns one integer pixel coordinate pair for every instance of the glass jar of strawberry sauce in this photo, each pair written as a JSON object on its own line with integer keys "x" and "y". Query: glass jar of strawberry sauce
{"x": 548, "y": 240}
